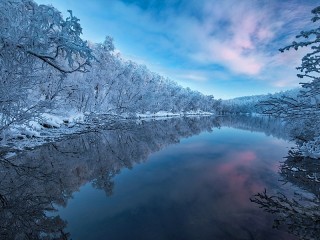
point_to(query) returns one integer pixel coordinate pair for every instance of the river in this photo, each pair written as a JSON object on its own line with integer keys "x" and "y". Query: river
{"x": 186, "y": 178}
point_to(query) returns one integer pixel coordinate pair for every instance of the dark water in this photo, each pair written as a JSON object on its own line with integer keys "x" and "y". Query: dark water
{"x": 174, "y": 179}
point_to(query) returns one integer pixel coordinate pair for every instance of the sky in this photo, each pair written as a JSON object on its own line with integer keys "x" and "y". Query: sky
{"x": 224, "y": 48}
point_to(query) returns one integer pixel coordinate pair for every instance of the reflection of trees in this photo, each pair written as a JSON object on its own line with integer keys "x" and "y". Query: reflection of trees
{"x": 26, "y": 192}
{"x": 268, "y": 125}
{"x": 34, "y": 181}
{"x": 301, "y": 214}
{"x": 301, "y": 219}
{"x": 303, "y": 172}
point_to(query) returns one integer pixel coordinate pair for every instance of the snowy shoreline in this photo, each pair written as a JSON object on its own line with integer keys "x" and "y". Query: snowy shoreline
{"x": 52, "y": 128}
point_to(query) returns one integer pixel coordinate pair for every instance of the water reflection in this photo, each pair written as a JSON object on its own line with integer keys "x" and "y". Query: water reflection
{"x": 27, "y": 191}
{"x": 198, "y": 189}
{"x": 267, "y": 125}
{"x": 297, "y": 212}
{"x": 34, "y": 181}
{"x": 300, "y": 213}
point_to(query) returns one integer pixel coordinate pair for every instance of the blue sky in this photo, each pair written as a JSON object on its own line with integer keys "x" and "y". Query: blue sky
{"x": 225, "y": 48}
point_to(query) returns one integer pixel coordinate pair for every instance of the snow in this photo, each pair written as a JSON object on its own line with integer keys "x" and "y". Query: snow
{"x": 46, "y": 127}
{"x": 52, "y": 126}
{"x": 35, "y": 125}
{"x": 311, "y": 148}
{"x": 314, "y": 177}
{"x": 57, "y": 120}
{"x": 162, "y": 114}
{"x": 21, "y": 131}
{"x": 9, "y": 155}
{"x": 50, "y": 120}
{"x": 75, "y": 117}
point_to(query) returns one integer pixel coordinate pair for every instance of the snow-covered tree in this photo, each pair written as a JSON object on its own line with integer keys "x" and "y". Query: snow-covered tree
{"x": 39, "y": 32}
{"x": 35, "y": 43}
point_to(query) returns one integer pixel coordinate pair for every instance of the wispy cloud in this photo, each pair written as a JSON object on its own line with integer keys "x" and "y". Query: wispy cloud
{"x": 243, "y": 37}
{"x": 203, "y": 40}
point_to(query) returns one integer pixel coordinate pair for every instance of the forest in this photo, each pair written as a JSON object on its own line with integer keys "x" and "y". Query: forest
{"x": 50, "y": 76}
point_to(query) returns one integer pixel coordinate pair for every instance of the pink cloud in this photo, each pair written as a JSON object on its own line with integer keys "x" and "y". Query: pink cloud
{"x": 237, "y": 46}
{"x": 242, "y": 44}
{"x": 240, "y": 63}
{"x": 234, "y": 58}
{"x": 238, "y": 159}
{"x": 237, "y": 176}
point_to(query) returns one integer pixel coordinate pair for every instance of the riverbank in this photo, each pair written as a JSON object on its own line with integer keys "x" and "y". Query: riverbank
{"x": 53, "y": 127}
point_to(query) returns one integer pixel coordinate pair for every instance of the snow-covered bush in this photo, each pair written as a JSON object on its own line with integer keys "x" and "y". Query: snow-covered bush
{"x": 311, "y": 148}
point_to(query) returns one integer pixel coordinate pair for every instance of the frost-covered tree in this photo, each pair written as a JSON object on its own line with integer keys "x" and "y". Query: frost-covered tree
{"x": 39, "y": 31}
{"x": 34, "y": 41}
{"x": 119, "y": 86}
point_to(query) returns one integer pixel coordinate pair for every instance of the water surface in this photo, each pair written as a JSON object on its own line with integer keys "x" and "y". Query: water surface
{"x": 171, "y": 179}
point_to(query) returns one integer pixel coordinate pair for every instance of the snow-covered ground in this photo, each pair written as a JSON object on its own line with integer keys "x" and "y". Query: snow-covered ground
{"x": 162, "y": 114}
{"x": 45, "y": 128}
